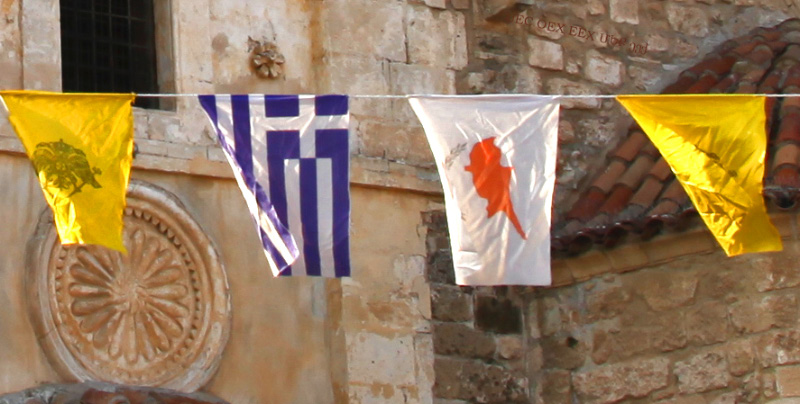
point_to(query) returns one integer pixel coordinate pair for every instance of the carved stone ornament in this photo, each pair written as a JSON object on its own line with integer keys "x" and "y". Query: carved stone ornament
{"x": 265, "y": 57}
{"x": 158, "y": 316}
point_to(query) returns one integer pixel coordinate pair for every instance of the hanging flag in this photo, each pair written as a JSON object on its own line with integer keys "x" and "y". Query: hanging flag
{"x": 80, "y": 146}
{"x": 715, "y": 145}
{"x": 496, "y": 157}
{"x": 290, "y": 155}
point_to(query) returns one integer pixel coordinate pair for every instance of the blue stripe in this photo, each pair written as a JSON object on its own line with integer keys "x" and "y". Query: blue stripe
{"x": 241, "y": 122}
{"x": 309, "y": 212}
{"x": 243, "y": 154}
{"x": 281, "y": 145}
{"x": 333, "y": 144}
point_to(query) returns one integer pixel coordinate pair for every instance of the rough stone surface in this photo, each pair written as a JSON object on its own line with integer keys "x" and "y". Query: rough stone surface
{"x": 624, "y": 11}
{"x": 463, "y": 341}
{"x": 545, "y": 54}
{"x": 702, "y": 373}
{"x": 608, "y": 384}
{"x": 497, "y": 314}
{"x": 788, "y": 381}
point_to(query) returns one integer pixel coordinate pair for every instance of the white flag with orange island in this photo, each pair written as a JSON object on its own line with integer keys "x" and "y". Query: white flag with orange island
{"x": 496, "y": 157}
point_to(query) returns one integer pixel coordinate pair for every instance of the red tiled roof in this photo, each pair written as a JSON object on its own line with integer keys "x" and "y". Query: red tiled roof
{"x": 637, "y": 194}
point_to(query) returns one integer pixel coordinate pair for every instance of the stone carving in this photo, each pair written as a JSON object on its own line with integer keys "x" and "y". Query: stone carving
{"x": 158, "y": 316}
{"x": 267, "y": 60}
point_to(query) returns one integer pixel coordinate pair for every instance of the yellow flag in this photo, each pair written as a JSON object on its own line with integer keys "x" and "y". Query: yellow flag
{"x": 80, "y": 146}
{"x": 715, "y": 145}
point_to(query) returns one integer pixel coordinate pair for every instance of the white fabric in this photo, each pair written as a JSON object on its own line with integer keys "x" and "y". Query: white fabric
{"x": 489, "y": 250}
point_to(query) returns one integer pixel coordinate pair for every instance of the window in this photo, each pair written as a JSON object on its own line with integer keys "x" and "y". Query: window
{"x": 110, "y": 46}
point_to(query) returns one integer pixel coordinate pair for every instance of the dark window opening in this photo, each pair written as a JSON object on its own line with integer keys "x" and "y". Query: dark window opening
{"x": 109, "y": 46}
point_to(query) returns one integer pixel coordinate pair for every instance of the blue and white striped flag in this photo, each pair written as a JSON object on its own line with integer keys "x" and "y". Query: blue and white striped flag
{"x": 291, "y": 155}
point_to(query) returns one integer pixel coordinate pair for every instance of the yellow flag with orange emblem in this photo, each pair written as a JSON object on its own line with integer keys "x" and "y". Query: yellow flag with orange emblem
{"x": 715, "y": 145}
{"x": 81, "y": 148}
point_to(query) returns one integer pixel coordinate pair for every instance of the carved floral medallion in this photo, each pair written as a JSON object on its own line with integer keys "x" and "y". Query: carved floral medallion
{"x": 158, "y": 316}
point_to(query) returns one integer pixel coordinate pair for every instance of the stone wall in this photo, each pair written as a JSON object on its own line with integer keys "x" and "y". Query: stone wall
{"x": 702, "y": 328}
{"x": 545, "y": 47}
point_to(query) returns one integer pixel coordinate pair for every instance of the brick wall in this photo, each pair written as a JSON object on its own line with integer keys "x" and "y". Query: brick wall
{"x": 701, "y": 329}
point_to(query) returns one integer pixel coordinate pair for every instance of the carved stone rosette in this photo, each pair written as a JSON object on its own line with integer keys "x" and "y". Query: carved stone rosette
{"x": 158, "y": 316}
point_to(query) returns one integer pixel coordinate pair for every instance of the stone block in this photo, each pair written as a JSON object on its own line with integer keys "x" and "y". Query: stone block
{"x": 563, "y": 352}
{"x": 463, "y": 341}
{"x": 417, "y": 79}
{"x": 781, "y": 347}
{"x": 373, "y": 358}
{"x": 545, "y": 54}
{"x": 554, "y": 387}
{"x": 372, "y": 75}
{"x": 762, "y": 313}
{"x": 707, "y": 323}
{"x": 595, "y": 7}
{"x": 498, "y": 314}
{"x": 394, "y": 142}
{"x": 509, "y": 347}
{"x": 687, "y": 20}
{"x": 645, "y": 79}
{"x": 570, "y": 87}
{"x": 460, "y": 4}
{"x": 425, "y": 377}
{"x": 450, "y": 303}
{"x": 377, "y": 26}
{"x": 436, "y": 38}
{"x": 624, "y": 11}
{"x": 788, "y": 380}
{"x": 701, "y": 373}
{"x": 604, "y": 69}
{"x": 165, "y": 126}
{"x": 776, "y": 271}
{"x": 436, "y": 3}
{"x": 606, "y": 303}
{"x": 664, "y": 290}
{"x": 612, "y": 383}
{"x": 477, "y": 382}
{"x": 440, "y": 267}
{"x": 740, "y": 356}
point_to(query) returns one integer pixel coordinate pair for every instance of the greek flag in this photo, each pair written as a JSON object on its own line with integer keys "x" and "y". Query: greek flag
{"x": 290, "y": 155}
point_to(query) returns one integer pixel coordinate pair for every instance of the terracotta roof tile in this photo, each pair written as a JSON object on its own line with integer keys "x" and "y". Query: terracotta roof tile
{"x": 684, "y": 81}
{"x": 617, "y": 199}
{"x": 787, "y": 176}
{"x": 637, "y": 192}
{"x": 702, "y": 85}
{"x": 661, "y": 170}
{"x": 631, "y": 146}
{"x": 635, "y": 174}
{"x": 648, "y": 192}
{"x": 790, "y": 127}
{"x": 787, "y": 155}
{"x": 746, "y": 48}
{"x": 675, "y": 192}
{"x": 587, "y": 205}
{"x": 609, "y": 177}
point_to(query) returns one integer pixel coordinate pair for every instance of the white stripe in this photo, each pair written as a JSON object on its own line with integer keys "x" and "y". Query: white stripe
{"x": 258, "y": 143}
{"x": 292, "y": 177}
{"x": 308, "y": 142}
{"x": 325, "y": 216}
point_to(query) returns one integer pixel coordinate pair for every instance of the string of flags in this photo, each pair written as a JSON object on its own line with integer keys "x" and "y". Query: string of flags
{"x": 496, "y": 156}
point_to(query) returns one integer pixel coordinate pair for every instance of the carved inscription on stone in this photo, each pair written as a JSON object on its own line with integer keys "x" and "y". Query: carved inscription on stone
{"x": 158, "y": 316}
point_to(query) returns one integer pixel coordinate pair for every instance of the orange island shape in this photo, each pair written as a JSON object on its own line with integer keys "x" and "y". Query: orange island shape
{"x": 492, "y": 180}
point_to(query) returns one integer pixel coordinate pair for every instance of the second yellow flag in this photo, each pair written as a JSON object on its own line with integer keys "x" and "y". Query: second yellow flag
{"x": 80, "y": 146}
{"x": 715, "y": 145}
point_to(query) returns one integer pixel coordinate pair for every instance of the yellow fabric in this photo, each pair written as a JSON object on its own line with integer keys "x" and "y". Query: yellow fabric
{"x": 715, "y": 145}
{"x": 80, "y": 146}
